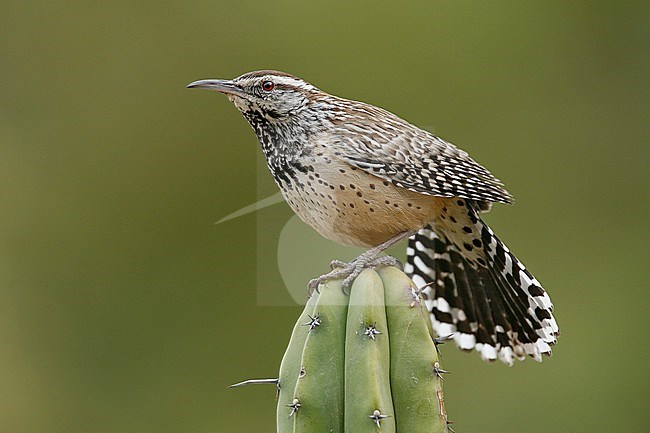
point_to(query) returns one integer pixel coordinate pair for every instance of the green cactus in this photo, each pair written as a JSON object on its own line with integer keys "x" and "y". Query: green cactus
{"x": 365, "y": 362}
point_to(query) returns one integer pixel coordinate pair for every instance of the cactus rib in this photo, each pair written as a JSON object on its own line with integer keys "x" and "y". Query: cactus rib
{"x": 367, "y": 357}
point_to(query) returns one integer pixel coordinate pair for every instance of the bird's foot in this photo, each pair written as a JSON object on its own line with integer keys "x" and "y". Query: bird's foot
{"x": 350, "y": 271}
{"x": 337, "y": 264}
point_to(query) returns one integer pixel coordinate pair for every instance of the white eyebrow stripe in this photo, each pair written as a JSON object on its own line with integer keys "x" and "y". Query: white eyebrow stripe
{"x": 289, "y": 81}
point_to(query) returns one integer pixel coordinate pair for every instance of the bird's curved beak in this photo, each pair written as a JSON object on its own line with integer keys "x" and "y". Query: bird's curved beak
{"x": 223, "y": 86}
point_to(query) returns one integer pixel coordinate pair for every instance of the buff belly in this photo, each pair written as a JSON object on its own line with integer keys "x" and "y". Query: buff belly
{"x": 352, "y": 207}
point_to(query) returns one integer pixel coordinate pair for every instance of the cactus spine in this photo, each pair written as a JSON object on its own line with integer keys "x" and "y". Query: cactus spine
{"x": 362, "y": 363}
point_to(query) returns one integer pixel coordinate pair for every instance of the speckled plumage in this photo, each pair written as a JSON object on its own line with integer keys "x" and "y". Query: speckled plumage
{"x": 362, "y": 176}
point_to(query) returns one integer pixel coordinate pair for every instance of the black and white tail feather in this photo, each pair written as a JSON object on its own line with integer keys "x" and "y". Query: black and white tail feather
{"x": 494, "y": 306}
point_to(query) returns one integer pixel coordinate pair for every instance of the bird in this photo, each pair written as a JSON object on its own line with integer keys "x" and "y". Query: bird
{"x": 362, "y": 176}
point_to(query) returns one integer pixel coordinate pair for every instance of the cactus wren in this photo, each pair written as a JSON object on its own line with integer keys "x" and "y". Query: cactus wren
{"x": 362, "y": 176}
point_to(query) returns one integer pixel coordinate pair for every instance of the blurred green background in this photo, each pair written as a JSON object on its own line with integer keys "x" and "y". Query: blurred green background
{"x": 124, "y": 308}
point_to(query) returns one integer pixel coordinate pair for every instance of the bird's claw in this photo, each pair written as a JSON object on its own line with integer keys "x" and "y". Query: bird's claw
{"x": 313, "y": 286}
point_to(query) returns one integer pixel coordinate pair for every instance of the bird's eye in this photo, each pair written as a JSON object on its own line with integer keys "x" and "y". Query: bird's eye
{"x": 267, "y": 86}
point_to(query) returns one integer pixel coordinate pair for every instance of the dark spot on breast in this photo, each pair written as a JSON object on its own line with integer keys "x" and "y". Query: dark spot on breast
{"x": 444, "y": 209}
{"x": 477, "y": 243}
{"x": 359, "y": 194}
{"x": 372, "y": 186}
{"x": 468, "y": 247}
{"x": 386, "y": 183}
{"x": 409, "y": 204}
{"x": 467, "y": 229}
{"x": 481, "y": 261}
{"x": 351, "y": 205}
{"x": 342, "y": 187}
{"x": 341, "y": 170}
{"x": 372, "y": 210}
{"x": 352, "y": 186}
{"x": 387, "y": 202}
{"x": 453, "y": 220}
{"x": 460, "y": 203}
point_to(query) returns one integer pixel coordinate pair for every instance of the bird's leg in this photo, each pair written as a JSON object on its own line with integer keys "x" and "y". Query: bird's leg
{"x": 349, "y": 271}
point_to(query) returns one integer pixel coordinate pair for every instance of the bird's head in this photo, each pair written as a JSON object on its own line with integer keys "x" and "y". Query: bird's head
{"x": 272, "y": 94}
